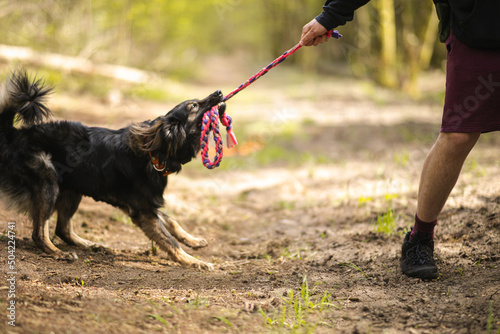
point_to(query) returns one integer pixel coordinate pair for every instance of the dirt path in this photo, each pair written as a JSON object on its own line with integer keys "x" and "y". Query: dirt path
{"x": 291, "y": 220}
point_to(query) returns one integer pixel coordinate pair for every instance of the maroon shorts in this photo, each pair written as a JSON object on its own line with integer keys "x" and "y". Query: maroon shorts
{"x": 472, "y": 99}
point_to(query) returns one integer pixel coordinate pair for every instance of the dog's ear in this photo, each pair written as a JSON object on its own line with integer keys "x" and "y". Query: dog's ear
{"x": 145, "y": 136}
{"x": 174, "y": 136}
{"x": 159, "y": 137}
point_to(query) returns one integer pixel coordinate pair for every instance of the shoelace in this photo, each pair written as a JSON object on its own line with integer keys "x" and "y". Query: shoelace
{"x": 418, "y": 256}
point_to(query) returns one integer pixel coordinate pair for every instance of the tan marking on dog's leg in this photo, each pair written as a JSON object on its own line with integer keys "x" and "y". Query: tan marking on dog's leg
{"x": 42, "y": 200}
{"x": 41, "y": 238}
{"x": 66, "y": 206}
{"x": 180, "y": 234}
{"x": 155, "y": 230}
{"x": 64, "y": 230}
{"x": 184, "y": 258}
{"x": 73, "y": 239}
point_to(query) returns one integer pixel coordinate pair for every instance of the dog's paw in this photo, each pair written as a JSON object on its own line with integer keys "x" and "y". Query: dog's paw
{"x": 192, "y": 262}
{"x": 195, "y": 243}
{"x": 204, "y": 266}
{"x": 64, "y": 256}
{"x": 75, "y": 240}
{"x": 98, "y": 248}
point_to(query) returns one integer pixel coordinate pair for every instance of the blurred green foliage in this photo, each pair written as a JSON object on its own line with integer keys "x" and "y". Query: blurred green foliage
{"x": 172, "y": 37}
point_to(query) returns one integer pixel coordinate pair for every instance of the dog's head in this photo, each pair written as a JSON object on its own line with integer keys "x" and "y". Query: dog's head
{"x": 174, "y": 138}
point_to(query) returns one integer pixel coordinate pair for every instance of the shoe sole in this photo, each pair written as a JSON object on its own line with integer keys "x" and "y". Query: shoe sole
{"x": 429, "y": 273}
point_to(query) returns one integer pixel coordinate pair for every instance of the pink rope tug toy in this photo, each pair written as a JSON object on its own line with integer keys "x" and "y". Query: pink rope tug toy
{"x": 211, "y": 118}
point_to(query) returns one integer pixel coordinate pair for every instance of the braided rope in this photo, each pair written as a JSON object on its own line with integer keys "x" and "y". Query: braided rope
{"x": 210, "y": 119}
{"x": 210, "y": 124}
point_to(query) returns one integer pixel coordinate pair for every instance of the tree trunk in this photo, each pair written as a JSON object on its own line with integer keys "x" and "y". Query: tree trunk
{"x": 388, "y": 59}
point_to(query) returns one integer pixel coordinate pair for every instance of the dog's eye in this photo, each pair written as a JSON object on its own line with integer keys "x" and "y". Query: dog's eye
{"x": 193, "y": 107}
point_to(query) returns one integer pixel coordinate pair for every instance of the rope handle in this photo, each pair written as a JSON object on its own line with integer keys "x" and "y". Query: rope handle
{"x": 331, "y": 33}
{"x": 211, "y": 118}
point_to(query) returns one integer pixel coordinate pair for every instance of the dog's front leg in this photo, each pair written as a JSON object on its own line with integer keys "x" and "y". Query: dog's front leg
{"x": 179, "y": 233}
{"x": 153, "y": 227}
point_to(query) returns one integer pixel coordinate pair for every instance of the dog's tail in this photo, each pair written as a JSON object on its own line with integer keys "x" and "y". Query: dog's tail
{"x": 22, "y": 98}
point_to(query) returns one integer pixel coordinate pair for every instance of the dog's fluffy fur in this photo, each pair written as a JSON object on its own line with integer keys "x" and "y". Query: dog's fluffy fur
{"x": 49, "y": 166}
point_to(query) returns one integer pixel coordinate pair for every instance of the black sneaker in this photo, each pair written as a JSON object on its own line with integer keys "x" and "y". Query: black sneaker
{"x": 417, "y": 257}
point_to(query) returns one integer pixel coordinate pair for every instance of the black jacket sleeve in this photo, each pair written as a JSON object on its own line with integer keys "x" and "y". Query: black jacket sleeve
{"x": 338, "y": 12}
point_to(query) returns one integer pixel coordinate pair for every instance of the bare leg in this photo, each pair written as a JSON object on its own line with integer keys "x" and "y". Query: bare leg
{"x": 154, "y": 229}
{"x": 179, "y": 233}
{"x": 441, "y": 170}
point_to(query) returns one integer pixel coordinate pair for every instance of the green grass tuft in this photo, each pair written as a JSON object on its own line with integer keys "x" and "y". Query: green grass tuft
{"x": 301, "y": 310}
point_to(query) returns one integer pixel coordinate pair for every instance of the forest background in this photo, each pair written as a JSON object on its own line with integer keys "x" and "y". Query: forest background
{"x": 304, "y": 218}
{"x": 389, "y": 41}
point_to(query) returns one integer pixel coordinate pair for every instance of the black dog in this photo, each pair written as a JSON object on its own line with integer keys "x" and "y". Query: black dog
{"x": 47, "y": 167}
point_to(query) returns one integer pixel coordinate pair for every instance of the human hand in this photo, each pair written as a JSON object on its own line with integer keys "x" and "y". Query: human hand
{"x": 313, "y": 33}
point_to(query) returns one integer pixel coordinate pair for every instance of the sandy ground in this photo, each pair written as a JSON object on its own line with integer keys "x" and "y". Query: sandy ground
{"x": 293, "y": 234}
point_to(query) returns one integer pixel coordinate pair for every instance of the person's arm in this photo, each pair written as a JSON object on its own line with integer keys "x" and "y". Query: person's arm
{"x": 338, "y": 12}
{"x": 335, "y": 13}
